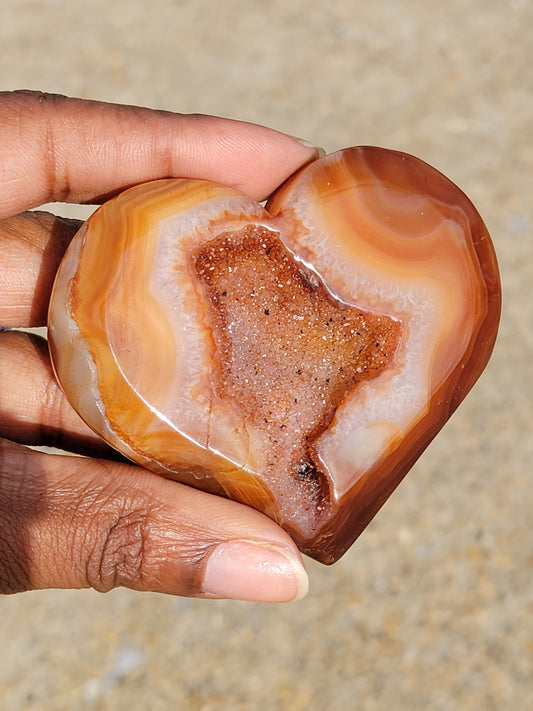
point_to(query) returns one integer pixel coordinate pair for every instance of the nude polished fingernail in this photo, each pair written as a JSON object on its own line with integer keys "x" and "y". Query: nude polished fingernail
{"x": 243, "y": 570}
{"x": 320, "y": 152}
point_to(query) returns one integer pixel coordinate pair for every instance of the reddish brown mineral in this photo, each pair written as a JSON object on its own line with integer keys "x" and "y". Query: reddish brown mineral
{"x": 297, "y": 358}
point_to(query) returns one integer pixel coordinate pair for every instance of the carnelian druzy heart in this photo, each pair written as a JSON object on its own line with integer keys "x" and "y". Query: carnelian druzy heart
{"x": 297, "y": 358}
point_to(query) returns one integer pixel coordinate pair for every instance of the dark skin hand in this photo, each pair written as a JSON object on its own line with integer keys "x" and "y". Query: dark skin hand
{"x": 96, "y": 521}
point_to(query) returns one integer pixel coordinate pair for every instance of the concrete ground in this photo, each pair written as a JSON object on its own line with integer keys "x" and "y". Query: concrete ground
{"x": 432, "y": 608}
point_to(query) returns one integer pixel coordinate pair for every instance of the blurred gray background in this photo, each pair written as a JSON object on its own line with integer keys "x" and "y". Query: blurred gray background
{"x": 432, "y": 607}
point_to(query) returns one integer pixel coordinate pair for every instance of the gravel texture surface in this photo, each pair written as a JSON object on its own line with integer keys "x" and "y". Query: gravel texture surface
{"x": 432, "y": 608}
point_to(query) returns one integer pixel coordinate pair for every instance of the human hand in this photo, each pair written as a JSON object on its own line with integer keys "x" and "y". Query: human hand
{"x": 94, "y": 521}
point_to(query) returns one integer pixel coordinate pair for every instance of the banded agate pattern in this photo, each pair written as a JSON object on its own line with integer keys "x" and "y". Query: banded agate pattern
{"x": 297, "y": 357}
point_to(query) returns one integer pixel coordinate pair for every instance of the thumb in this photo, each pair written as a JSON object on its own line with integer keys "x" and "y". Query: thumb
{"x": 72, "y": 522}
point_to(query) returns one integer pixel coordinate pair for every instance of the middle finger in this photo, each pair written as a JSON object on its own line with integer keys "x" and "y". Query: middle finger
{"x": 31, "y": 246}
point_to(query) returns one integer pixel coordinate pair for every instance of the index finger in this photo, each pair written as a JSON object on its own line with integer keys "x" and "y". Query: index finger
{"x": 58, "y": 149}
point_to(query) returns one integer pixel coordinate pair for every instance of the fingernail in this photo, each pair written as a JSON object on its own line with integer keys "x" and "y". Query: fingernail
{"x": 320, "y": 152}
{"x": 243, "y": 570}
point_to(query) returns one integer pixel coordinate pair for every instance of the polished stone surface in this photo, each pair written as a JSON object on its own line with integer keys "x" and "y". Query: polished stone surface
{"x": 297, "y": 358}
{"x": 432, "y": 607}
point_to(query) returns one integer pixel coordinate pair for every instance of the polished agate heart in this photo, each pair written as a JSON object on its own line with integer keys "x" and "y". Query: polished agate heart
{"x": 298, "y": 357}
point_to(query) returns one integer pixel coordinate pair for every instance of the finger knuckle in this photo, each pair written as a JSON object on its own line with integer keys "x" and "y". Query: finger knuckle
{"x": 120, "y": 557}
{"x": 54, "y": 169}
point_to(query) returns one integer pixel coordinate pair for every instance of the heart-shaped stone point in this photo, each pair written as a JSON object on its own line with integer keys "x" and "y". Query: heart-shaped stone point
{"x": 297, "y": 358}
